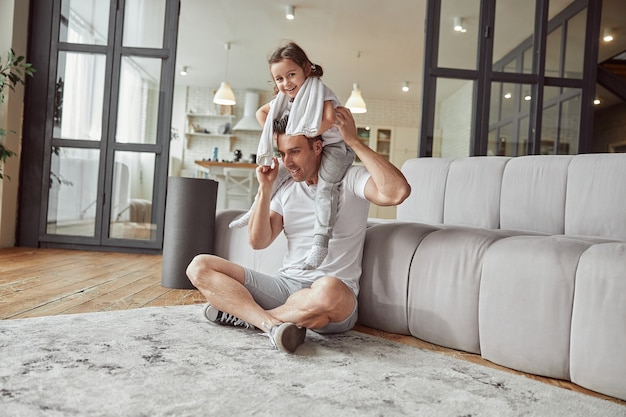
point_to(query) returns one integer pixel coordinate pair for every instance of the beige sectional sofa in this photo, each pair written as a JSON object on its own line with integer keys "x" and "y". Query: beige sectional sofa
{"x": 521, "y": 260}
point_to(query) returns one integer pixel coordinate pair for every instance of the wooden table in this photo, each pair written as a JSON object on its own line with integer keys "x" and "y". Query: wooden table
{"x": 210, "y": 164}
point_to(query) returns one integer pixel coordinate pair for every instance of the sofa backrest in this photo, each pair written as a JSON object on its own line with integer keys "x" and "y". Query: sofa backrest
{"x": 533, "y": 194}
{"x": 577, "y": 195}
{"x": 596, "y": 196}
{"x": 463, "y": 192}
{"x": 427, "y": 177}
{"x": 473, "y": 190}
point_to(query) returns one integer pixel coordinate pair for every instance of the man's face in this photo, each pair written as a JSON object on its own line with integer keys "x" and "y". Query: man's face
{"x": 298, "y": 157}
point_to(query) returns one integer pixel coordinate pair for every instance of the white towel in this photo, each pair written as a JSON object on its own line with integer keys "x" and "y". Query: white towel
{"x": 265, "y": 151}
{"x": 305, "y": 116}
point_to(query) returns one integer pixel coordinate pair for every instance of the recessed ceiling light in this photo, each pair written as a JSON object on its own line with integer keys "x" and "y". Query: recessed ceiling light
{"x": 290, "y": 13}
{"x": 458, "y": 25}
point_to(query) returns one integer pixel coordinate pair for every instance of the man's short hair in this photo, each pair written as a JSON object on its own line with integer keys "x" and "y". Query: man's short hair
{"x": 280, "y": 127}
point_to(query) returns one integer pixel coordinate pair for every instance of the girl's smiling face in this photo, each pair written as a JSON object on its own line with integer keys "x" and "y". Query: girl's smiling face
{"x": 288, "y": 77}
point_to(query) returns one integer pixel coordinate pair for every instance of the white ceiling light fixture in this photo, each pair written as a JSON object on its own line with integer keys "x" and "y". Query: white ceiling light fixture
{"x": 608, "y": 35}
{"x": 355, "y": 102}
{"x": 405, "y": 86}
{"x": 458, "y": 25}
{"x": 290, "y": 13}
{"x": 224, "y": 95}
{"x": 596, "y": 102}
{"x": 183, "y": 71}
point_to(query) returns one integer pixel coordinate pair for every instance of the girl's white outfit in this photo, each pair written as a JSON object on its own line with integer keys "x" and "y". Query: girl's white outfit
{"x": 305, "y": 117}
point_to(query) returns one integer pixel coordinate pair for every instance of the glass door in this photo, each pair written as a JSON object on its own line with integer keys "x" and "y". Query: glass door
{"x": 110, "y": 84}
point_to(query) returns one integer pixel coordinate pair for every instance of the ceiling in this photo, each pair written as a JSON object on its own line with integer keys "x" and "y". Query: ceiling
{"x": 388, "y": 36}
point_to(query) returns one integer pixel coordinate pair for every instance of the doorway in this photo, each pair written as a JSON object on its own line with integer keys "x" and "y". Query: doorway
{"x": 96, "y": 147}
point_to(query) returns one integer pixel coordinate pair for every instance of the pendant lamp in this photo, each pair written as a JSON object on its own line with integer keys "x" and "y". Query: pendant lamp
{"x": 224, "y": 95}
{"x": 355, "y": 102}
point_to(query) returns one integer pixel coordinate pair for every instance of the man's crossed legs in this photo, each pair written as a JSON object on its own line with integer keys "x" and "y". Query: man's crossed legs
{"x": 278, "y": 306}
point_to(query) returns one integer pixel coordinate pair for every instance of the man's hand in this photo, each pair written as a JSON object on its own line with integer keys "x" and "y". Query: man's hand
{"x": 264, "y": 224}
{"x": 266, "y": 175}
{"x": 346, "y": 125}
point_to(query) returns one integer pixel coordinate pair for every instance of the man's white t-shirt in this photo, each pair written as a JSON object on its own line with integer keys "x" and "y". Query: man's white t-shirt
{"x": 296, "y": 203}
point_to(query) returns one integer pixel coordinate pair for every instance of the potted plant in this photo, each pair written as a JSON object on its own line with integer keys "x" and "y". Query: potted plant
{"x": 12, "y": 73}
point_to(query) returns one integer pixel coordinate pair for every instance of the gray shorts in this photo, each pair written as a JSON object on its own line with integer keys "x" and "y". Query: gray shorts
{"x": 272, "y": 291}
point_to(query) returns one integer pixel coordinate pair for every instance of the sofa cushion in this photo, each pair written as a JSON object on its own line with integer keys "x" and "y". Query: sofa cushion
{"x": 387, "y": 258}
{"x": 472, "y": 196}
{"x": 444, "y": 283}
{"x": 596, "y": 196}
{"x": 526, "y": 298}
{"x": 427, "y": 177}
{"x": 598, "y": 340}
{"x": 533, "y": 193}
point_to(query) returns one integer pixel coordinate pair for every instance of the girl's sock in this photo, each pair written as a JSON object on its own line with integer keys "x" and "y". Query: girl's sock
{"x": 318, "y": 252}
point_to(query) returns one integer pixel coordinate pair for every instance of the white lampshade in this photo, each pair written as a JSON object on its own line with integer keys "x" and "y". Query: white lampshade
{"x": 224, "y": 95}
{"x": 355, "y": 102}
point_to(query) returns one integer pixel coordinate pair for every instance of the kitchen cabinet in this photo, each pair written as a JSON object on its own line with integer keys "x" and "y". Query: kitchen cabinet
{"x": 377, "y": 138}
{"x": 209, "y": 126}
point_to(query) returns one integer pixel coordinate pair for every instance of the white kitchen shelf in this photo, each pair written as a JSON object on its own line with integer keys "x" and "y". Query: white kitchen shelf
{"x": 199, "y": 135}
{"x": 210, "y": 122}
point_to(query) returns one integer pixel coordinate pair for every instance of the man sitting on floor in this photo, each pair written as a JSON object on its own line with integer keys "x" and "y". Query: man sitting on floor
{"x": 296, "y": 299}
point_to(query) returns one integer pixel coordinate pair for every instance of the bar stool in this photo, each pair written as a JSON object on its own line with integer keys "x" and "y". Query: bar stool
{"x": 240, "y": 184}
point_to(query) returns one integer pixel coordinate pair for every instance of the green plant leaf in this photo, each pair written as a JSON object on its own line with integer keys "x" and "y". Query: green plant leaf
{"x": 12, "y": 73}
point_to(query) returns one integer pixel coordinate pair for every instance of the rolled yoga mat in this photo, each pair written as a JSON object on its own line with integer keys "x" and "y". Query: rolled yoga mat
{"x": 189, "y": 227}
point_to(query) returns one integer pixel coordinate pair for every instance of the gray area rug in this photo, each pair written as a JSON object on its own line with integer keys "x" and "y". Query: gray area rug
{"x": 168, "y": 361}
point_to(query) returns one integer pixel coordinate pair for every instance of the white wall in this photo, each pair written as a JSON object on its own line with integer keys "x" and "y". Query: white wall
{"x": 178, "y": 123}
{"x": 13, "y": 34}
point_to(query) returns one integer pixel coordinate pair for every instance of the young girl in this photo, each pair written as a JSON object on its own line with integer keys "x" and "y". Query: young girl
{"x": 310, "y": 105}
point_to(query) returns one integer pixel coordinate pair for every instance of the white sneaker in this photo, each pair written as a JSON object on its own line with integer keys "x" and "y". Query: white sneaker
{"x": 287, "y": 336}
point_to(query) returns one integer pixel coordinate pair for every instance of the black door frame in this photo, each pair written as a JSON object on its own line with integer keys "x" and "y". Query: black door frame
{"x": 484, "y": 76}
{"x": 37, "y": 130}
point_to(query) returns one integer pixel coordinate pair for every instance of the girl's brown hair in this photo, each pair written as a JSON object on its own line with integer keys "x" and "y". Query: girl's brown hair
{"x": 293, "y": 52}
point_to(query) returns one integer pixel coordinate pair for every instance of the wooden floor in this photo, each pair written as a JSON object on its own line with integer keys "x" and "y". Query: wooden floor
{"x": 45, "y": 282}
